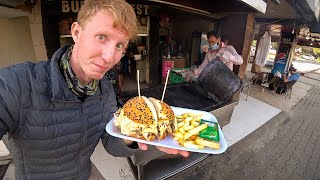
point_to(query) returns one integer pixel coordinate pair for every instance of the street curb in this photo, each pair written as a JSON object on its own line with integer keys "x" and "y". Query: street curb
{"x": 237, "y": 154}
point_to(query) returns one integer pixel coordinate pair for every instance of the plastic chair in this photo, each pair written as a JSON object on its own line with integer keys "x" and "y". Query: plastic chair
{"x": 285, "y": 88}
{"x": 265, "y": 76}
{"x": 246, "y": 84}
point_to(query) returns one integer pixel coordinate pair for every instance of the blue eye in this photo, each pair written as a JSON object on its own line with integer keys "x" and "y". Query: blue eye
{"x": 101, "y": 37}
{"x": 120, "y": 46}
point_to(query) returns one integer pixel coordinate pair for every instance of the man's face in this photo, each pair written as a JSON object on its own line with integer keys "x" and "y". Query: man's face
{"x": 98, "y": 47}
{"x": 213, "y": 40}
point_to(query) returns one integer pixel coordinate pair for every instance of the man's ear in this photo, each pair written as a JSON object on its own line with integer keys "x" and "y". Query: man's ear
{"x": 75, "y": 31}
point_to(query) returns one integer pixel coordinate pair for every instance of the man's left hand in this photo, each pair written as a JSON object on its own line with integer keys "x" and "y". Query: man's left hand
{"x": 166, "y": 150}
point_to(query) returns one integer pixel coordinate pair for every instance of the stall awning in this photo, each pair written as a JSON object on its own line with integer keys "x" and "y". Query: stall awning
{"x": 12, "y": 12}
{"x": 213, "y": 6}
{"x": 259, "y": 5}
{"x": 309, "y": 10}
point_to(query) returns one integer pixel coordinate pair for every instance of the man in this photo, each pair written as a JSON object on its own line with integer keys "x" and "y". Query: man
{"x": 218, "y": 49}
{"x": 168, "y": 48}
{"x": 55, "y": 112}
{"x": 276, "y": 79}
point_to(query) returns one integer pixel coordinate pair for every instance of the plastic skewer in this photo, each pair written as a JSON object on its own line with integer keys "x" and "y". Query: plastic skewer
{"x": 165, "y": 85}
{"x": 138, "y": 83}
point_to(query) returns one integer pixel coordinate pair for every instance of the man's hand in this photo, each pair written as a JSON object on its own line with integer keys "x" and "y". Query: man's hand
{"x": 144, "y": 147}
{"x": 285, "y": 78}
{"x": 196, "y": 72}
{"x": 225, "y": 56}
{"x": 205, "y": 48}
{"x": 127, "y": 142}
{"x": 166, "y": 150}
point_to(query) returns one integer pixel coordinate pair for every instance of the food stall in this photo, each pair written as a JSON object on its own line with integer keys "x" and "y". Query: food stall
{"x": 163, "y": 19}
{"x": 156, "y": 22}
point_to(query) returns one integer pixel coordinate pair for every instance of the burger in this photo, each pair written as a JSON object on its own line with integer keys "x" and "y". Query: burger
{"x": 145, "y": 118}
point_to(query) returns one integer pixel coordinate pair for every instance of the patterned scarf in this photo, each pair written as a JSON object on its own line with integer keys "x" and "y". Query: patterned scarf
{"x": 73, "y": 82}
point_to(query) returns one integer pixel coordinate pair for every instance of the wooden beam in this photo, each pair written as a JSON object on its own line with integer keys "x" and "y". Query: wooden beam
{"x": 248, "y": 38}
{"x": 278, "y": 21}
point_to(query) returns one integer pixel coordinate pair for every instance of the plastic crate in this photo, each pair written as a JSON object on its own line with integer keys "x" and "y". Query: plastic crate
{"x": 175, "y": 78}
{"x": 173, "y": 69}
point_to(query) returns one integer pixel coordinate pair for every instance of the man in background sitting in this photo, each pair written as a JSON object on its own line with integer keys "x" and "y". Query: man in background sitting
{"x": 276, "y": 80}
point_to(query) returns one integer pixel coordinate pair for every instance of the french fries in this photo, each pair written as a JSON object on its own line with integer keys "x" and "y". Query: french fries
{"x": 195, "y": 131}
{"x": 188, "y": 129}
{"x": 207, "y": 143}
{"x": 190, "y": 144}
{"x": 178, "y": 135}
{"x": 182, "y": 130}
{"x": 180, "y": 124}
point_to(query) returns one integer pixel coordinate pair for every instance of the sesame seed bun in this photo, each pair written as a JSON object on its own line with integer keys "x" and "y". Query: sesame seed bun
{"x": 138, "y": 119}
{"x": 145, "y": 118}
{"x": 140, "y": 110}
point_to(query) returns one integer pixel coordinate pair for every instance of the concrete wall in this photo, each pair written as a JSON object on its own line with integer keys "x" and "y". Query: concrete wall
{"x": 16, "y": 43}
{"x": 183, "y": 28}
{"x": 38, "y": 42}
{"x": 22, "y": 37}
{"x": 234, "y": 28}
{"x": 239, "y": 30}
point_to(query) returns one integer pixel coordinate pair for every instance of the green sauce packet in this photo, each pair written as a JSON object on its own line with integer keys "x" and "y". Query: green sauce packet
{"x": 211, "y": 132}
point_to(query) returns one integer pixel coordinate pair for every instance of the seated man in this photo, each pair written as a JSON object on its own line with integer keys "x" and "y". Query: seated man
{"x": 276, "y": 80}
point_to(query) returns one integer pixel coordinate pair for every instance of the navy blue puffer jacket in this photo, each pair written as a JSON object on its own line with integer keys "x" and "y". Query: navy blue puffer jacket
{"x": 52, "y": 134}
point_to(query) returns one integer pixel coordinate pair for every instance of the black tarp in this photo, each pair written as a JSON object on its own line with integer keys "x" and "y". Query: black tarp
{"x": 215, "y": 87}
{"x": 187, "y": 95}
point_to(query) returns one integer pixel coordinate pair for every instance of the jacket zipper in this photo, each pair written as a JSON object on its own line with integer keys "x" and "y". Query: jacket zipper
{"x": 81, "y": 137}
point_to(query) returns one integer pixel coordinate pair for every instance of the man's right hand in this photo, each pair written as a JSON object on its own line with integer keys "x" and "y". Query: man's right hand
{"x": 144, "y": 147}
{"x": 196, "y": 72}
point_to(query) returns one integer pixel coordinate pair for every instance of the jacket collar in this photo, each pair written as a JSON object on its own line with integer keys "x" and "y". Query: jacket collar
{"x": 59, "y": 88}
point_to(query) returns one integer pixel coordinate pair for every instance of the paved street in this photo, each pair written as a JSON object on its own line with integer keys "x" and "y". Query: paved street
{"x": 306, "y": 66}
{"x": 287, "y": 147}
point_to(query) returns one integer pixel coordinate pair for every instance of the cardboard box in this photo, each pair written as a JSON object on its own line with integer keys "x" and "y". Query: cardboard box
{"x": 179, "y": 63}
